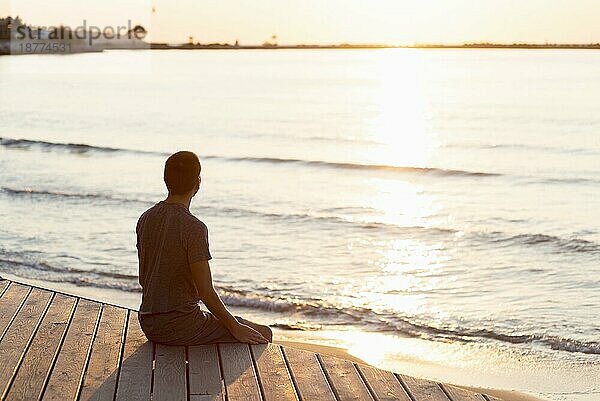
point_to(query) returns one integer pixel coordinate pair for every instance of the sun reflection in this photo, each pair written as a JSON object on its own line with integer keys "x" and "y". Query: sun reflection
{"x": 378, "y": 348}
{"x": 409, "y": 271}
{"x": 411, "y": 256}
{"x": 400, "y": 203}
{"x": 402, "y": 116}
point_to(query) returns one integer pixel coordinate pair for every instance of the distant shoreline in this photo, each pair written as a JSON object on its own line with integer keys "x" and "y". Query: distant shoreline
{"x": 225, "y": 46}
{"x": 5, "y": 47}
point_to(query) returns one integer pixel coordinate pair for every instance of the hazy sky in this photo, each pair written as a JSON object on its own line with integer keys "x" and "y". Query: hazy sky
{"x": 327, "y": 21}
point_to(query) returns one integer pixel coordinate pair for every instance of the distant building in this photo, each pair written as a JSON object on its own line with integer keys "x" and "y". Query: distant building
{"x": 272, "y": 42}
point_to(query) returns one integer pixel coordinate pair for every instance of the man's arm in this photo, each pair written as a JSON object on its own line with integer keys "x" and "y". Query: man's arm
{"x": 204, "y": 284}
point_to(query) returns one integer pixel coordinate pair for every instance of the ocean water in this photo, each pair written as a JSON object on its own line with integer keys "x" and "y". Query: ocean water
{"x": 445, "y": 200}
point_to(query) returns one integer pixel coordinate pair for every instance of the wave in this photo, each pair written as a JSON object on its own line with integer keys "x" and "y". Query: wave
{"x": 215, "y": 210}
{"x": 392, "y": 322}
{"x": 360, "y": 166}
{"x": 70, "y": 195}
{"x": 83, "y": 148}
{"x": 232, "y": 211}
{"x": 294, "y": 327}
{"x": 560, "y": 244}
{"x": 41, "y": 270}
{"x": 414, "y": 170}
{"x": 317, "y": 311}
{"x": 43, "y": 266}
{"x": 71, "y": 147}
{"x": 523, "y": 146}
{"x": 573, "y": 245}
{"x": 562, "y": 181}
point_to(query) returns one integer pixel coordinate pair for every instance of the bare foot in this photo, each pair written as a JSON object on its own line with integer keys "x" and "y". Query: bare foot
{"x": 262, "y": 329}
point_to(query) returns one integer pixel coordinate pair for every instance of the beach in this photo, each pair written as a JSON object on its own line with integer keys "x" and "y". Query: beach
{"x": 431, "y": 212}
{"x": 121, "y": 299}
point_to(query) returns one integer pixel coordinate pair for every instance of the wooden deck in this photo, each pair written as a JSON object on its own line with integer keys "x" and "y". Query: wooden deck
{"x": 55, "y": 346}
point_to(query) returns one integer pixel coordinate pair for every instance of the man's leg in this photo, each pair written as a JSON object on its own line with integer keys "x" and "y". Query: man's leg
{"x": 264, "y": 330}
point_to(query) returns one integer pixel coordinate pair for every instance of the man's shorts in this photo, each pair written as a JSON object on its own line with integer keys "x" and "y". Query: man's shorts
{"x": 185, "y": 328}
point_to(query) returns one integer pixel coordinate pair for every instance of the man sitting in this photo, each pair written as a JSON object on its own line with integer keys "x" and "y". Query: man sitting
{"x": 174, "y": 272}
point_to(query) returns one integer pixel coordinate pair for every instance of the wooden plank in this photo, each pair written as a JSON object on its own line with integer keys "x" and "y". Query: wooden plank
{"x": 273, "y": 374}
{"x": 135, "y": 376}
{"x": 170, "y": 383}
{"x": 238, "y": 372}
{"x": 344, "y": 379}
{"x": 37, "y": 362}
{"x": 423, "y": 390}
{"x": 3, "y": 284}
{"x": 19, "y": 335}
{"x": 204, "y": 397}
{"x": 205, "y": 374}
{"x": 11, "y": 301}
{"x": 308, "y": 375}
{"x": 460, "y": 394}
{"x": 492, "y": 398}
{"x": 65, "y": 379}
{"x": 383, "y": 384}
{"x": 100, "y": 379}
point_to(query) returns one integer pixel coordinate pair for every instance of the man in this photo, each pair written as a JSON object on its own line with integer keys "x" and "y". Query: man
{"x": 174, "y": 270}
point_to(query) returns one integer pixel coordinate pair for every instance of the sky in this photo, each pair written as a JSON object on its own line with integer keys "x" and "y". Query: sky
{"x": 330, "y": 21}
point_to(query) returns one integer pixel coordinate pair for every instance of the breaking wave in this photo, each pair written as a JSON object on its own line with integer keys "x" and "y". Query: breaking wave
{"x": 559, "y": 244}
{"x": 317, "y": 311}
{"x": 84, "y": 148}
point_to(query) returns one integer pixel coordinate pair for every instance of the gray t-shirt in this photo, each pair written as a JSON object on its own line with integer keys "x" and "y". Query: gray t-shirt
{"x": 169, "y": 240}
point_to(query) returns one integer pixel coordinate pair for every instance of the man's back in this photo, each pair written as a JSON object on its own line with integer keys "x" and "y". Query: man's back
{"x": 169, "y": 240}
{"x": 174, "y": 270}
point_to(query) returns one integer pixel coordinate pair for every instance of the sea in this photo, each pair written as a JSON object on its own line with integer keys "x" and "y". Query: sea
{"x": 435, "y": 211}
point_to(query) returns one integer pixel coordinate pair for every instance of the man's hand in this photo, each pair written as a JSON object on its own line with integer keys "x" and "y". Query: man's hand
{"x": 203, "y": 281}
{"x": 246, "y": 334}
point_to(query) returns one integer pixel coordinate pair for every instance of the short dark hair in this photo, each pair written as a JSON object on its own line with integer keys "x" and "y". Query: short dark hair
{"x": 181, "y": 172}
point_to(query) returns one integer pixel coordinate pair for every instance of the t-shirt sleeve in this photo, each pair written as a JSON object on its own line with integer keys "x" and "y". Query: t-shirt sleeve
{"x": 197, "y": 243}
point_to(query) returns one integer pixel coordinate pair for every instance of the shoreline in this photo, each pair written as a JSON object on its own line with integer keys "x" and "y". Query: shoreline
{"x": 226, "y": 46}
{"x": 132, "y": 300}
{"x": 5, "y": 51}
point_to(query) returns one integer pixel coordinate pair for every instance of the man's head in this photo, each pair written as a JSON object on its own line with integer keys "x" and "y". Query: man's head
{"x": 182, "y": 173}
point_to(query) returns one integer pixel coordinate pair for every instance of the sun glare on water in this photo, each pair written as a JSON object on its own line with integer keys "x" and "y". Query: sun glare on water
{"x": 403, "y": 137}
{"x": 401, "y": 126}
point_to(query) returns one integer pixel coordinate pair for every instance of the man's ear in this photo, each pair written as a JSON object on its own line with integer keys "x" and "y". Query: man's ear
{"x": 197, "y": 186}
